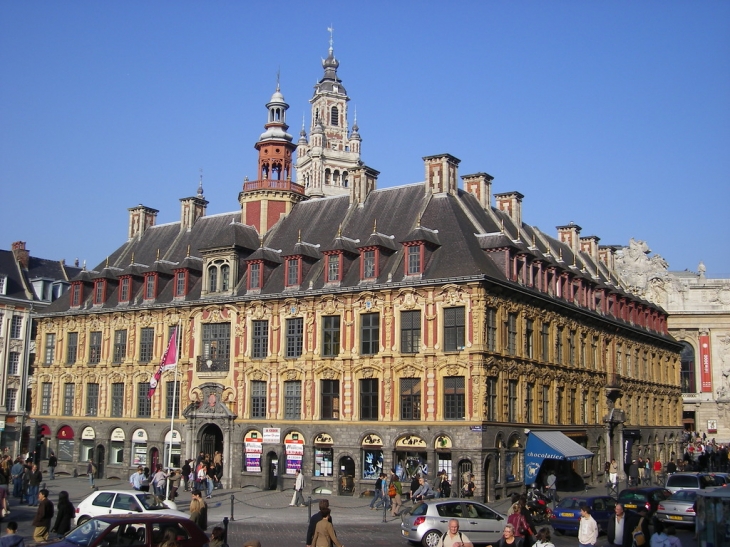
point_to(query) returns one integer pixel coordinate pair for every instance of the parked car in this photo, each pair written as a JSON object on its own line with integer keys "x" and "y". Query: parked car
{"x": 140, "y": 530}
{"x": 648, "y": 497}
{"x": 429, "y": 520}
{"x": 689, "y": 481}
{"x": 679, "y": 508}
{"x": 721, "y": 479}
{"x": 566, "y": 516}
{"x": 120, "y": 502}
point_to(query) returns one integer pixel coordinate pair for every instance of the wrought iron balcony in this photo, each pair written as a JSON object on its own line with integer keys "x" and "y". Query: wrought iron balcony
{"x": 209, "y": 364}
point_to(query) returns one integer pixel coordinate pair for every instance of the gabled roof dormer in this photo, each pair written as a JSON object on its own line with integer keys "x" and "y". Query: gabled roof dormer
{"x": 374, "y": 253}
{"x": 419, "y": 245}
{"x": 260, "y": 264}
{"x": 339, "y": 256}
{"x": 222, "y": 257}
{"x": 299, "y": 263}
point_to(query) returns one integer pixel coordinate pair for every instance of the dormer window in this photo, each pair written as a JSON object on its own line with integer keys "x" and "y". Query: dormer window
{"x": 333, "y": 267}
{"x": 225, "y": 277}
{"x": 369, "y": 264}
{"x": 3, "y": 283}
{"x": 213, "y": 278}
{"x": 99, "y": 291}
{"x": 219, "y": 277}
{"x": 76, "y": 295}
{"x": 124, "y": 289}
{"x": 150, "y": 286}
{"x": 414, "y": 259}
{"x": 181, "y": 281}
{"x": 254, "y": 275}
{"x": 293, "y": 271}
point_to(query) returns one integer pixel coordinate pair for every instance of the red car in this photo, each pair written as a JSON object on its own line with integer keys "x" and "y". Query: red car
{"x": 138, "y": 530}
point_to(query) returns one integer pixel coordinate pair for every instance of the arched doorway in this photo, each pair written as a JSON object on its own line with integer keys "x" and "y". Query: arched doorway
{"x": 347, "y": 475}
{"x": 272, "y": 470}
{"x": 463, "y": 473}
{"x": 154, "y": 458}
{"x": 99, "y": 460}
{"x": 211, "y": 440}
{"x": 488, "y": 480}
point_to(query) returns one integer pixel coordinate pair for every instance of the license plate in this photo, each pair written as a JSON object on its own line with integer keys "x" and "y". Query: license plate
{"x": 630, "y": 505}
{"x": 567, "y": 515}
{"x": 675, "y": 517}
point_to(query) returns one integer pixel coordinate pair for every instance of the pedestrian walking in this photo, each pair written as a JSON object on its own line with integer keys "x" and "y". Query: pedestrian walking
{"x": 588, "y": 529}
{"x": 298, "y": 489}
{"x": 52, "y": 463}
{"x": 35, "y": 476}
{"x": 43, "y": 517}
{"x": 16, "y": 475}
{"x": 173, "y": 480}
{"x": 613, "y": 472}
{"x": 378, "y": 492}
{"x": 91, "y": 472}
{"x": 395, "y": 488}
{"x": 65, "y": 514}
{"x": 135, "y": 479}
{"x": 318, "y": 516}
{"x": 324, "y": 532}
{"x": 186, "y": 470}
{"x": 159, "y": 482}
{"x": 199, "y": 510}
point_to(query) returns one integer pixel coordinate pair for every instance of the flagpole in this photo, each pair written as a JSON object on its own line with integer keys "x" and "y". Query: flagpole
{"x": 174, "y": 395}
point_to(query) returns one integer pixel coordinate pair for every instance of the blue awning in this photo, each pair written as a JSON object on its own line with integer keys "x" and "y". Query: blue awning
{"x": 550, "y": 445}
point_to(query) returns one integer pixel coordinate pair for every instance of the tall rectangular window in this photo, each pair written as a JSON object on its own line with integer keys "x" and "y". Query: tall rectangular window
{"x": 146, "y": 344}
{"x": 117, "y": 399}
{"x": 150, "y": 282}
{"x": 454, "y": 398}
{"x": 11, "y": 399}
{"x": 92, "y": 399}
{"x": 172, "y": 399}
{"x": 254, "y": 275}
{"x": 545, "y": 404}
{"x": 75, "y": 295}
{"x": 292, "y": 272}
{"x": 46, "y": 398}
{"x": 571, "y": 347}
{"x": 619, "y": 360}
{"x": 124, "y": 289}
{"x": 180, "y": 279}
{"x": 294, "y": 337}
{"x": 410, "y": 398}
{"x": 369, "y": 333}
{"x": 120, "y": 345}
{"x": 368, "y": 265}
{"x": 492, "y": 399}
{"x": 369, "y": 399}
{"x": 584, "y": 408}
{"x": 333, "y": 267}
{"x": 69, "y": 395}
{"x": 512, "y": 401}
{"x": 410, "y": 331}
{"x": 454, "y": 333}
{"x": 594, "y": 353}
{"x": 260, "y": 339}
{"x": 545, "y": 341}
{"x": 529, "y": 402}
{"x": 583, "y": 363}
{"x": 571, "y": 406}
{"x": 293, "y": 400}
{"x": 512, "y": 333}
{"x": 217, "y": 341}
{"x": 144, "y": 403}
{"x": 94, "y": 347}
{"x": 72, "y": 347}
{"x": 529, "y": 338}
{"x": 99, "y": 292}
{"x": 258, "y": 399}
{"x": 330, "y": 336}
{"x": 414, "y": 260}
{"x": 491, "y": 329}
{"x": 16, "y": 326}
{"x": 13, "y": 363}
{"x": 559, "y": 405}
{"x": 559, "y": 357}
{"x": 330, "y": 399}
{"x": 50, "y": 349}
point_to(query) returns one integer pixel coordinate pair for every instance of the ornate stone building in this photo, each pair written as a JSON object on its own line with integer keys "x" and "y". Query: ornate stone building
{"x": 417, "y": 327}
{"x": 699, "y": 317}
{"x": 27, "y": 285}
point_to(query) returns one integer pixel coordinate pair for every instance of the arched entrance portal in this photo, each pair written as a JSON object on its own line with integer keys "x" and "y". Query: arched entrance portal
{"x": 347, "y": 475}
{"x": 154, "y": 458}
{"x": 99, "y": 460}
{"x": 211, "y": 440}
{"x": 272, "y": 470}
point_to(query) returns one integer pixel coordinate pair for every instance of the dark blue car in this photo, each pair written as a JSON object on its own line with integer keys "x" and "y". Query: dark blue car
{"x": 566, "y": 516}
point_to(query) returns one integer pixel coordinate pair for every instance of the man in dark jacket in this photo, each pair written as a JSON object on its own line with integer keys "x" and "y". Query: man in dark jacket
{"x": 35, "y": 477}
{"x": 43, "y": 517}
{"x": 323, "y": 504}
{"x": 621, "y": 527}
{"x": 12, "y": 539}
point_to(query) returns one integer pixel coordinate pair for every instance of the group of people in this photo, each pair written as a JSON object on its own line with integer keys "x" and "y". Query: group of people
{"x": 203, "y": 473}
{"x": 43, "y": 524}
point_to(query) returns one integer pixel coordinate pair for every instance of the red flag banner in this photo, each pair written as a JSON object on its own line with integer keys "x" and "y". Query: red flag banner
{"x": 169, "y": 361}
{"x": 705, "y": 365}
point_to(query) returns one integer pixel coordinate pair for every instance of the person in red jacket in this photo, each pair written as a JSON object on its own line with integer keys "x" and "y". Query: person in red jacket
{"x": 657, "y": 470}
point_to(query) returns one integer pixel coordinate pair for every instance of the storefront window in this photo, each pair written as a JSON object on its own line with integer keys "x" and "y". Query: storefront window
{"x": 323, "y": 459}
{"x": 372, "y": 463}
{"x": 253, "y": 447}
{"x": 116, "y": 452}
{"x": 294, "y": 448}
{"x": 139, "y": 448}
{"x": 172, "y": 449}
{"x": 66, "y": 444}
{"x": 87, "y": 444}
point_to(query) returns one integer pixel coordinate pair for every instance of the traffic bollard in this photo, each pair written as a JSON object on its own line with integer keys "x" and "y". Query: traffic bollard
{"x": 232, "y": 497}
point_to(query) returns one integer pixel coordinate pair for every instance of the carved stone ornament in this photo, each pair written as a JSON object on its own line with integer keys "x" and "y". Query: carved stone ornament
{"x": 71, "y": 324}
{"x": 641, "y": 274}
{"x": 145, "y": 319}
{"x": 368, "y": 372}
{"x": 330, "y": 304}
{"x": 329, "y": 374}
{"x": 409, "y": 299}
{"x": 257, "y": 375}
{"x": 292, "y": 374}
{"x": 409, "y": 371}
{"x": 453, "y": 370}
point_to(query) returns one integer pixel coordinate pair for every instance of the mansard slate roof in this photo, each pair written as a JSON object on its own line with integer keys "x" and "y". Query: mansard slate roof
{"x": 463, "y": 239}
{"x": 18, "y": 284}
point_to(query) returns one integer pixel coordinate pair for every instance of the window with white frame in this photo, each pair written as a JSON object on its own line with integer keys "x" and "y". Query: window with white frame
{"x": 50, "y": 349}
{"x": 69, "y": 394}
{"x": 254, "y": 275}
{"x": 292, "y": 272}
{"x": 258, "y": 399}
{"x": 11, "y": 399}
{"x": 92, "y": 399}
{"x": 13, "y": 363}
{"x": 3, "y": 284}
{"x": 16, "y": 326}
{"x": 260, "y": 339}
{"x": 333, "y": 267}
{"x": 369, "y": 270}
{"x": 414, "y": 260}
{"x": 72, "y": 347}
{"x": 46, "y": 398}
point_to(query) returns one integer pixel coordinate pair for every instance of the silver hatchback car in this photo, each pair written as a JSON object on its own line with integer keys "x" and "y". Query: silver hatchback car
{"x": 429, "y": 520}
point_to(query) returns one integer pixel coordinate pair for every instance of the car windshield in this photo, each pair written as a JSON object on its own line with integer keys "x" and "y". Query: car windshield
{"x": 87, "y": 533}
{"x": 150, "y": 502}
{"x": 632, "y": 496}
{"x": 684, "y": 495}
{"x": 569, "y": 503}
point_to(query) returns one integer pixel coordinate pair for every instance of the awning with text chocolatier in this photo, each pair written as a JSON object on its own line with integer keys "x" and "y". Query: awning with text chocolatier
{"x": 550, "y": 445}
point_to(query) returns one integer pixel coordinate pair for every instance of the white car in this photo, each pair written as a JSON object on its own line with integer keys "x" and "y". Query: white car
{"x": 120, "y": 502}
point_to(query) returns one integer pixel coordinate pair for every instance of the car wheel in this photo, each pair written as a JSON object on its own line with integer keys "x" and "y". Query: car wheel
{"x": 431, "y": 538}
{"x": 81, "y": 520}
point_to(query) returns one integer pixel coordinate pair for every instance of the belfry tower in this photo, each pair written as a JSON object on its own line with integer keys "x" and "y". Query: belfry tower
{"x": 265, "y": 200}
{"x": 325, "y": 160}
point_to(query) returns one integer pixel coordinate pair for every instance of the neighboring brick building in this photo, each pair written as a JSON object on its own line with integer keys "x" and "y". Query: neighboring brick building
{"x": 416, "y": 326}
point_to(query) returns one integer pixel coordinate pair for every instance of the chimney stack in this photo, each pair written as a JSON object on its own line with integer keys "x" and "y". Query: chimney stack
{"x": 606, "y": 254}
{"x": 589, "y": 245}
{"x": 21, "y": 254}
{"x": 510, "y": 203}
{"x": 191, "y": 209}
{"x": 480, "y": 186}
{"x": 141, "y": 218}
{"x": 568, "y": 234}
{"x": 441, "y": 173}
{"x": 362, "y": 181}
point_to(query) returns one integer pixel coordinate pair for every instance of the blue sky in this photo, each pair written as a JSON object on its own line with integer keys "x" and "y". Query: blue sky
{"x": 613, "y": 115}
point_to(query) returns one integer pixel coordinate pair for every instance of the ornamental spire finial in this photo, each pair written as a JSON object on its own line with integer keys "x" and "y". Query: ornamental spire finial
{"x": 200, "y": 184}
{"x": 331, "y": 30}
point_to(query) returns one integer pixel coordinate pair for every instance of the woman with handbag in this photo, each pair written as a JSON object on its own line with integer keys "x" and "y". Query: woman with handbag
{"x": 509, "y": 539}
{"x": 395, "y": 491}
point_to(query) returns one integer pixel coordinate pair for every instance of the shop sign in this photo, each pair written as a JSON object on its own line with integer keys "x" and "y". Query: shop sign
{"x": 118, "y": 434}
{"x": 272, "y": 435}
{"x": 88, "y": 434}
{"x": 172, "y": 437}
{"x": 139, "y": 436}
